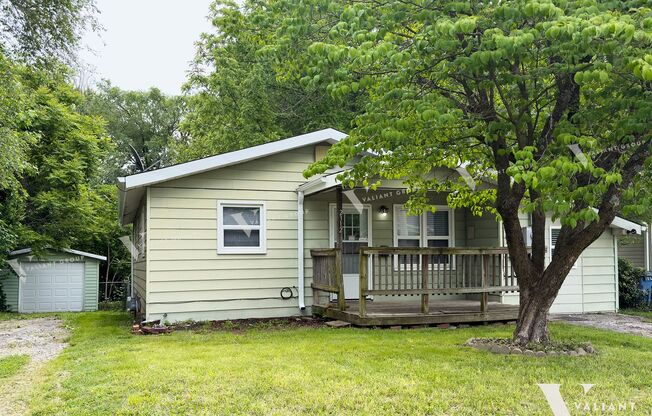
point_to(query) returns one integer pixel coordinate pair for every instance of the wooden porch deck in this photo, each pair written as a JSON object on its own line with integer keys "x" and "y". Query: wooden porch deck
{"x": 406, "y": 284}
{"x": 389, "y": 313}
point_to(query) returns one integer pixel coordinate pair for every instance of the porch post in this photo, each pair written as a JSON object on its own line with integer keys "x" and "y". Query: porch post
{"x": 340, "y": 226}
{"x": 484, "y": 296}
{"x": 339, "y": 267}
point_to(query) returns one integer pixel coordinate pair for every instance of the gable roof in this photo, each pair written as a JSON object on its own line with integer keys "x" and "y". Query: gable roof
{"x": 66, "y": 250}
{"x": 131, "y": 188}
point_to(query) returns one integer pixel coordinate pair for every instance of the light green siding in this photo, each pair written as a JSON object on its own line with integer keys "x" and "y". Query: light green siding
{"x": 9, "y": 282}
{"x": 591, "y": 286}
{"x": 187, "y": 279}
{"x": 91, "y": 284}
{"x": 632, "y": 248}
{"x": 482, "y": 231}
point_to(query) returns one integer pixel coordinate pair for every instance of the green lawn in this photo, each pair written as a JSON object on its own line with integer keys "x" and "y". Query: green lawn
{"x": 11, "y": 365}
{"x": 327, "y": 371}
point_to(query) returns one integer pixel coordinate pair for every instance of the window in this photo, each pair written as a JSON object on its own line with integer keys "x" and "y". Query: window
{"x": 554, "y": 234}
{"x": 241, "y": 227}
{"x": 430, "y": 229}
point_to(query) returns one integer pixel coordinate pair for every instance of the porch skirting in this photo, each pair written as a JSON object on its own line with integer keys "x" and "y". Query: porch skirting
{"x": 384, "y": 313}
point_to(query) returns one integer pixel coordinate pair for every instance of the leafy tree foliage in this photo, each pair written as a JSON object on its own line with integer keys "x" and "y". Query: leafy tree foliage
{"x": 148, "y": 121}
{"x": 242, "y": 94}
{"x": 551, "y": 100}
{"x": 57, "y": 195}
{"x": 40, "y": 30}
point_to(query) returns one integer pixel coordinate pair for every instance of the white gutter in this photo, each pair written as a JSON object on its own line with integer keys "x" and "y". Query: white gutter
{"x": 300, "y": 254}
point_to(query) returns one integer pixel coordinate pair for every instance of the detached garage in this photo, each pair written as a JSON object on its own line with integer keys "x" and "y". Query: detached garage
{"x": 59, "y": 281}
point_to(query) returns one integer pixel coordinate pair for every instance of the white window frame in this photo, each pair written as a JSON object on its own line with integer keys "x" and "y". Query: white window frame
{"x": 262, "y": 228}
{"x": 423, "y": 237}
{"x": 551, "y": 247}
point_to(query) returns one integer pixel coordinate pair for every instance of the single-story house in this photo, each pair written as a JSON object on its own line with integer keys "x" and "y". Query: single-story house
{"x": 245, "y": 235}
{"x": 58, "y": 281}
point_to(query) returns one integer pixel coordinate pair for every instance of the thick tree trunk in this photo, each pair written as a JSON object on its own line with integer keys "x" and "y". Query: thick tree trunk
{"x": 532, "y": 324}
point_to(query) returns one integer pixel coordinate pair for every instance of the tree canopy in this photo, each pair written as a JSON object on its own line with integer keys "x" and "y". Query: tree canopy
{"x": 241, "y": 95}
{"x": 550, "y": 100}
{"x": 45, "y": 30}
{"x": 148, "y": 121}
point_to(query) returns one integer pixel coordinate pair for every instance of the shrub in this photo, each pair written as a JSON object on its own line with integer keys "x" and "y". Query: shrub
{"x": 3, "y": 301}
{"x": 629, "y": 276}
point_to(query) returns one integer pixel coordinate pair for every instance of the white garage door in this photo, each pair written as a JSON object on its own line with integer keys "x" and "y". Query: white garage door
{"x": 52, "y": 287}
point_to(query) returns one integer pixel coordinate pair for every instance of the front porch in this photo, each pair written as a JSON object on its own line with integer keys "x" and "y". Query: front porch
{"x": 416, "y": 286}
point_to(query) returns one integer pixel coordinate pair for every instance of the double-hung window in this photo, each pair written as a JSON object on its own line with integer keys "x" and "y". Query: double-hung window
{"x": 430, "y": 229}
{"x": 241, "y": 227}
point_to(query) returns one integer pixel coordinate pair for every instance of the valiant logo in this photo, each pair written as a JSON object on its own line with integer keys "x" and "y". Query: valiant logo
{"x": 559, "y": 407}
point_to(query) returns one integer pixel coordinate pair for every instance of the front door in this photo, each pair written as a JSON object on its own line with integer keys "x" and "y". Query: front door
{"x": 356, "y": 233}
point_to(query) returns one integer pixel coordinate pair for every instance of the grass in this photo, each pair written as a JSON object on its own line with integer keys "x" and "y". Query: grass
{"x": 11, "y": 365}
{"x": 327, "y": 371}
{"x": 647, "y": 315}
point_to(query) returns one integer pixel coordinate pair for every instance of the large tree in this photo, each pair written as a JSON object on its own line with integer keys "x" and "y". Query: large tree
{"x": 242, "y": 94}
{"x": 45, "y": 30}
{"x": 148, "y": 121}
{"x": 552, "y": 100}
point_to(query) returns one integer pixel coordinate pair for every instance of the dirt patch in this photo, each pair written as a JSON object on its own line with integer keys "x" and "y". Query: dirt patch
{"x": 626, "y": 324}
{"x": 241, "y": 325}
{"x": 41, "y": 339}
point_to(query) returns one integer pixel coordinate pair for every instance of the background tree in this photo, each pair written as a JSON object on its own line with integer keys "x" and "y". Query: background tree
{"x": 242, "y": 94}
{"x": 550, "y": 99}
{"x": 45, "y": 30}
{"x": 147, "y": 120}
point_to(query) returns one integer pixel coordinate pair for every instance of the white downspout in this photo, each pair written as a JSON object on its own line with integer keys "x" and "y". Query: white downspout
{"x": 300, "y": 260}
{"x": 617, "y": 290}
{"x": 646, "y": 245}
{"x": 131, "y": 255}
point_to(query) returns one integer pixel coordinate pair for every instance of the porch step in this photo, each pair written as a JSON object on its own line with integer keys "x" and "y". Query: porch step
{"x": 338, "y": 324}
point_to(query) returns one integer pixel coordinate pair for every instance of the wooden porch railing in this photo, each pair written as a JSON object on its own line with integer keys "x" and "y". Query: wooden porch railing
{"x": 429, "y": 271}
{"x": 401, "y": 271}
{"x": 327, "y": 274}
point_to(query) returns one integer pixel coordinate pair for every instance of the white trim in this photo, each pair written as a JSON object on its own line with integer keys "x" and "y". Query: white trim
{"x": 423, "y": 233}
{"x": 66, "y": 250}
{"x": 616, "y": 280}
{"x": 320, "y": 184}
{"x": 300, "y": 252}
{"x": 423, "y": 224}
{"x": 619, "y": 222}
{"x": 332, "y": 223}
{"x": 646, "y": 247}
{"x": 227, "y": 159}
{"x": 262, "y": 228}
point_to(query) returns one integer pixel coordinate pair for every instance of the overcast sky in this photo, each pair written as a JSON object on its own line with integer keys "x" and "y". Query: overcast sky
{"x": 146, "y": 43}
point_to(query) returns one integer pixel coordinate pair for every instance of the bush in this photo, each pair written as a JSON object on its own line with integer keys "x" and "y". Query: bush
{"x": 3, "y": 301}
{"x": 629, "y": 277}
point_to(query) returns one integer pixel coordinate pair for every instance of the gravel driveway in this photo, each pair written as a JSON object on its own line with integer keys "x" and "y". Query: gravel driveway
{"x": 613, "y": 321}
{"x": 42, "y": 339}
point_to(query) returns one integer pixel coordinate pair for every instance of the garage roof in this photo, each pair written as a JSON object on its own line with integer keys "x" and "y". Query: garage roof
{"x": 66, "y": 250}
